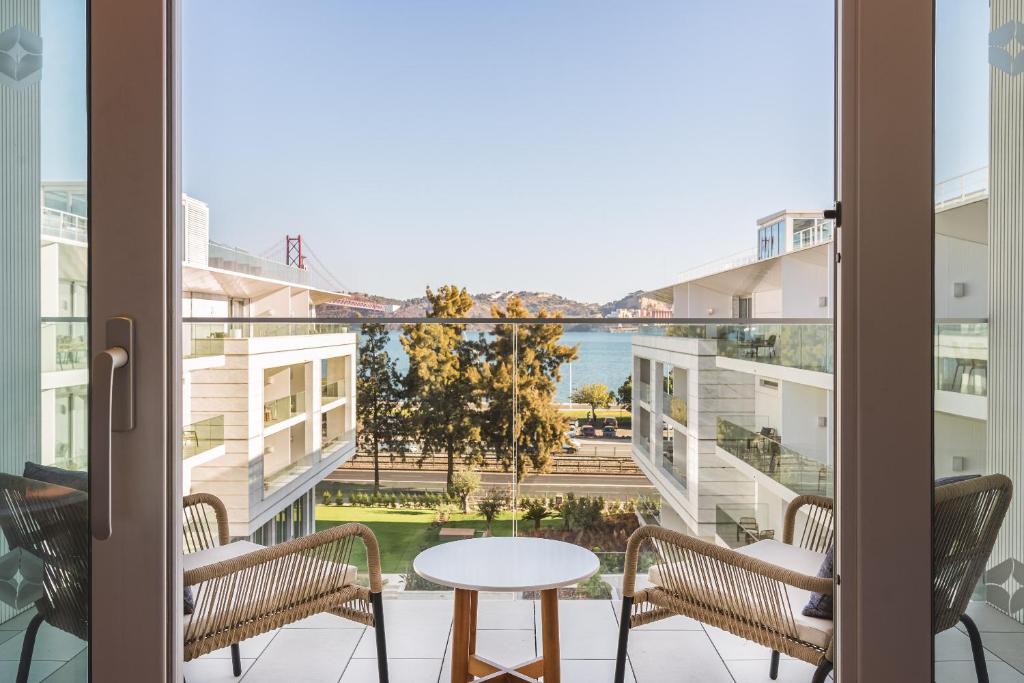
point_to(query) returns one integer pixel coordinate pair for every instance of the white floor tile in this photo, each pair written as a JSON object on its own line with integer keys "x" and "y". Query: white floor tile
{"x": 959, "y": 672}
{"x": 790, "y": 671}
{"x": 249, "y": 649}
{"x": 1008, "y": 647}
{"x": 39, "y": 670}
{"x": 415, "y": 630}
{"x": 587, "y": 629}
{"x": 989, "y": 619}
{"x": 492, "y": 614}
{"x": 204, "y": 670}
{"x": 731, "y": 647}
{"x": 506, "y": 647}
{"x": 954, "y": 645}
{"x": 591, "y": 671}
{"x": 51, "y": 644}
{"x": 75, "y": 671}
{"x": 305, "y": 656}
{"x": 399, "y": 670}
{"x": 676, "y": 657}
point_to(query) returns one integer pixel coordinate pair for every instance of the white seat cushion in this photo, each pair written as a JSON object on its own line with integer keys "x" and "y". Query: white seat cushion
{"x": 809, "y": 629}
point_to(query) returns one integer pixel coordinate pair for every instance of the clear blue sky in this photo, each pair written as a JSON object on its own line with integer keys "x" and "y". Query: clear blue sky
{"x": 585, "y": 147}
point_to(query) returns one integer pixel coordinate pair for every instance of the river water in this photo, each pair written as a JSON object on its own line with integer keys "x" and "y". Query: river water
{"x": 603, "y": 357}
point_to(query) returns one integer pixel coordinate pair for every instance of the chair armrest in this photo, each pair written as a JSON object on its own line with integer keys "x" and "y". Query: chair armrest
{"x": 329, "y": 545}
{"x": 196, "y": 524}
{"x": 704, "y": 558}
{"x": 819, "y": 532}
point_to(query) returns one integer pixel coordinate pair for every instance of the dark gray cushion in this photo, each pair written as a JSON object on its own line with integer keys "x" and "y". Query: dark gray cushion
{"x": 956, "y": 479}
{"x": 820, "y": 604}
{"x": 56, "y": 475}
{"x": 190, "y": 600}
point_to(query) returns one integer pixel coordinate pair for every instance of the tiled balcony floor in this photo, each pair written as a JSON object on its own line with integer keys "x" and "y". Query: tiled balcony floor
{"x": 327, "y": 649}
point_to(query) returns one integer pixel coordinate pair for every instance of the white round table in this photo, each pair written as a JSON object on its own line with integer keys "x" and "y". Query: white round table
{"x": 505, "y": 565}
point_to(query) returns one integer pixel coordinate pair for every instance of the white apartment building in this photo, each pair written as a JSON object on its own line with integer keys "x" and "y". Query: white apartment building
{"x": 735, "y": 420}
{"x": 268, "y": 408}
{"x": 732, "y": 420}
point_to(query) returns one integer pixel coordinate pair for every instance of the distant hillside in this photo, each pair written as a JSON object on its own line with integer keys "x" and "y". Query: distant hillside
{"x": 534, "y": 301}
{"x": 631, "y": 300}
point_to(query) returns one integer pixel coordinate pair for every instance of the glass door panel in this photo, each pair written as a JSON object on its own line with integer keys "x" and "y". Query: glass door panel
{"x": 44, "y": 342}
{"x": 979, "y": 303}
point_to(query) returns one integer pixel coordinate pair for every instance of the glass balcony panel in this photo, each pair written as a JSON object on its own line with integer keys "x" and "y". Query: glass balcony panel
{"x": 202, "y": 436}
{"x": 739, "y": 524}
{"x": 332, "y": 390}
{"x": 283, "y": 408}
{"x": 961, "y": 357}
{"x": 65, "y": 346}
{"x": 750, "y": 439}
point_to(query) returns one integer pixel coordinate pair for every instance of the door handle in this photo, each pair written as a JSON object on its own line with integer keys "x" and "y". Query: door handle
{"x": 113, "y": 411}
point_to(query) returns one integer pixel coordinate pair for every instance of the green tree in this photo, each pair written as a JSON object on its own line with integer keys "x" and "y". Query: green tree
{"x": 519, "y": 397}
{"x": 624, "y": 395}
{"x": 379, "y": 399}
{"x": 492, "y": 504}
{"x": 441, "y": 383}
{"x": 463, "y": 484}
{"x": 535, "y": 510}
{"x": 593, "y": 395}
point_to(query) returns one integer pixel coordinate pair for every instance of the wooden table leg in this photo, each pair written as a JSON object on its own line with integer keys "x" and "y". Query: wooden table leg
{"x": 549, "y": 628}
{"x": 474, "y": 598}
{"x": 461, "y": 635}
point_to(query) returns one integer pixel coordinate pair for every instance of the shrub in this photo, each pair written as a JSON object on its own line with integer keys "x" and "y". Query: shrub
{"x": 339, "y": 497}
{"x": 464, "y": 483}
{"x": 491, "y": 505}
{"x": 444, "y": 512}
{"x": 327, "y": 497}
{"x": 536, "y": 510}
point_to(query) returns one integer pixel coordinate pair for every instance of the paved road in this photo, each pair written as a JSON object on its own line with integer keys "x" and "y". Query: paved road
{"x": 609, "y": 486}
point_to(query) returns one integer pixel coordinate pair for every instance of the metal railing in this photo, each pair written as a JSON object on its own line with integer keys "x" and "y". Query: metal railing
{"x": 819, "y": 233}
{"x": 736, "y": 260}
{"x": 202, "y": 436}
{"x": 763, "y": 450}
{"x": 64, "y": 225}
{"x": 237, "y": 260}
{"x": 561, "y": 463}
{"x": 962, "y": 188}
{"x": 283, "y": 408}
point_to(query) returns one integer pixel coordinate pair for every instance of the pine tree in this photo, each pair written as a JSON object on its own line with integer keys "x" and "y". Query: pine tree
{"x": 440, "y": 385}
{"x": 539, "y": 428}
{"x": 378, "y": 399}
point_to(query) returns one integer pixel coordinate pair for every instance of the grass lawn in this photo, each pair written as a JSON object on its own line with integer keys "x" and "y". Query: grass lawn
{"x": 584, "y": 413}
{"x": 403, "y": 533}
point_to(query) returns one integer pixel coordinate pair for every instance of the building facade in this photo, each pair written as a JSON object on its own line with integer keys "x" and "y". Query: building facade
{"x": 268, "y": 408}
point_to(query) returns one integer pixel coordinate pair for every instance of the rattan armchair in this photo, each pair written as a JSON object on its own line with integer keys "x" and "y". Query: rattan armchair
{"x": 241, "y": 589}
{"x": 756, "y": 592}
{"x": 51, "y": 524}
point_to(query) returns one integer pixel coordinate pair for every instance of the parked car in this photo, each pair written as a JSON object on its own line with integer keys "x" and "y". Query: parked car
{"x": 571, "y": 446}
{"x": 609, "y": 432}
{"x": 588, "y": 430}
{"x": 611, "y": 422}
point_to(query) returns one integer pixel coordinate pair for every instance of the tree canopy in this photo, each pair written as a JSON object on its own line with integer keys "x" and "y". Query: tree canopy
{"x": 378, "y": 399}
{"x": 442, "y": 379}
{"x": 594, "y": 395}
{"x": 518, "y": 380}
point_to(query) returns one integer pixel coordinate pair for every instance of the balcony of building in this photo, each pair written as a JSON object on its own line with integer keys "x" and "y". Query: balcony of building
{"x": 754, "y": 443}
{"x": 961, "y": 367}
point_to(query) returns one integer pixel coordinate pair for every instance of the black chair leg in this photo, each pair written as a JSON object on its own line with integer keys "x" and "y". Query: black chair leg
{"x": 236, "y": 660}
{"x": 822, "y": 672}
{"x": 377, "y": 602}
{"x": 976, "y": 648}
{"x": 773, "y": 669}
{"x": 620, "y": 657}
{"x": 27, "y": 646}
